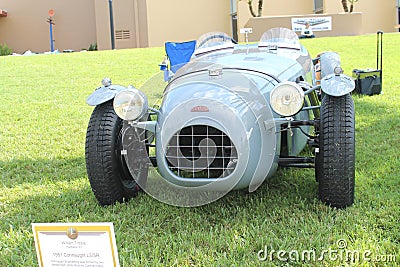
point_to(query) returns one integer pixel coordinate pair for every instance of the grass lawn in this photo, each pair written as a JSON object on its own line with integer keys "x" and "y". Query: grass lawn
{"x": 43, "y": 176}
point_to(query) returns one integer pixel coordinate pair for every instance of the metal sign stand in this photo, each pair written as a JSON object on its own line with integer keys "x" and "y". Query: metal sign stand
{"x": 51, "y": 23}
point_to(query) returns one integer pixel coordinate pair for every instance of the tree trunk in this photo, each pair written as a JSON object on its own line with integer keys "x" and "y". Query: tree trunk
{"x": 250, "y": 2}
{"x": 345, "y": 7}
{"x": 260, "y": 7}
{"x": 259, "y": 10}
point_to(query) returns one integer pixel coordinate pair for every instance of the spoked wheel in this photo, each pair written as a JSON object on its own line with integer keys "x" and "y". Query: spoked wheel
{"x": 335, "y": 161}
{"x": 107, "y": 171}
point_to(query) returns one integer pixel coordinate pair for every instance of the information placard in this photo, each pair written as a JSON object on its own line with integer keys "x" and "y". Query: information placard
{"x": 75, "y": 244}
{"x": 316, "y": 23}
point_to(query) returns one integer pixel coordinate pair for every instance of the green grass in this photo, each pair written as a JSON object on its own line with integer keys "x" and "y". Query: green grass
{"x": 43, "y": 177}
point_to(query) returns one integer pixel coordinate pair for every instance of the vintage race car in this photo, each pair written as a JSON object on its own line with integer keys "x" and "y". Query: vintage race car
{"x": 228, "y": 119}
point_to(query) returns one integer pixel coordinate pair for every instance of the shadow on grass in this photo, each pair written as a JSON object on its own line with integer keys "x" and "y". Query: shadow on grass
{"x": 39, "y": 171}
{"x": 44, "y": 190}
{"x": 377, "y": 138}
{"x": 286, "y": 183}
{"x": 57, "y": 190}
{"x": 289, "y": 191}
{"x": 284, "y": 208}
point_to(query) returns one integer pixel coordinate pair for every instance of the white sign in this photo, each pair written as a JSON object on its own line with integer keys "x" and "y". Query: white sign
{"x": 246, "y": 30}
{"x": 75, "y": 244}
{"x": 316, "y": 23}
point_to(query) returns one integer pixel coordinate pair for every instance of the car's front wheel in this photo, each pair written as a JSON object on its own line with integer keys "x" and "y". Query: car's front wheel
{"x": 108, "y": 174}
{"x": 335, "y": 164}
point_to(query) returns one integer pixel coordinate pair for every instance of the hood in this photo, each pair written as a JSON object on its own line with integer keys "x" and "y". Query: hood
{"x": 282, "y": 64}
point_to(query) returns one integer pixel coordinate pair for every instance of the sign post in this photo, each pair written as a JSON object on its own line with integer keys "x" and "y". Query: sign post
{"x": 51, "y": 22}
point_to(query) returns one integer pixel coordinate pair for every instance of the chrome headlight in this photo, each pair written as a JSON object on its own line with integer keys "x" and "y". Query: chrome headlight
{"x": 287, "y": 99}
{"x": 130, "y": 104}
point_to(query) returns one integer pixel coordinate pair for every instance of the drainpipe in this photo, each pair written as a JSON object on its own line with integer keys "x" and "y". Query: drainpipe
{"x": 111, "y": 24}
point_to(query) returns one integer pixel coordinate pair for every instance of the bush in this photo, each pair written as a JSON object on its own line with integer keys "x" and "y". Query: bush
{"x": 5, "y": 50}
{"x": 93, "y": 47}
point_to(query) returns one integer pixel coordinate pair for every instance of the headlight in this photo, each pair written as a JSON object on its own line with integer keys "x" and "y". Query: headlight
{"x": 287, "y": 99}
{"x": 130, "y": 104}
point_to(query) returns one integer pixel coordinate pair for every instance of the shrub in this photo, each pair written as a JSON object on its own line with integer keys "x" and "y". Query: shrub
{"x": 93, "y": 47}
{"x": 5, "y": 50}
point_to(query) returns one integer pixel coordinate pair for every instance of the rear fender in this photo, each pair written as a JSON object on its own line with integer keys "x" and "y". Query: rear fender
{"x": 104, "y": 94}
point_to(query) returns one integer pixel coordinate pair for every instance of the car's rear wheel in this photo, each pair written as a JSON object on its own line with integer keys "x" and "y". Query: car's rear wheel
{"x": 335, "y": 161}
{"x": 108, "y": 174}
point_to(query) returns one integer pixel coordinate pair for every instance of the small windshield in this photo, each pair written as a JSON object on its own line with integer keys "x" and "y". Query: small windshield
{"x": 213, "y": 41}
{"x": 280, "y": 38}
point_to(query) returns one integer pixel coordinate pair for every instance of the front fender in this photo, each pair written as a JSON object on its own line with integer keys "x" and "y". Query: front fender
{"x": 337, "y": 85}
{"x": 334, "y": 82}
{"x": 104, "y": 94}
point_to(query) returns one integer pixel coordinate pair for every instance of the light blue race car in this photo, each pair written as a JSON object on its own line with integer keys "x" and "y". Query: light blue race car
{"x": 228, "y": 119}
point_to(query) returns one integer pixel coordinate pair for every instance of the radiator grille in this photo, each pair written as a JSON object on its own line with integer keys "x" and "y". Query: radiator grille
{"x": 201, "y": 151}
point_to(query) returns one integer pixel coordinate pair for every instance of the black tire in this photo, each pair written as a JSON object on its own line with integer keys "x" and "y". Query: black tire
{"x": 335, "y": 162}
{"x": 108, "y": 174}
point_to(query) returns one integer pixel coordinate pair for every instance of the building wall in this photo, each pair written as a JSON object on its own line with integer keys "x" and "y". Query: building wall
{"x": 273, "y": 8}
{"x": 144, "y": 23}
{"x": 177, "y": 20}
{"x": 130, "y": 24}
{"x": 287, "y": 7}
{"x": 342, "y": 24}
{"x": 377, "y": 15}
{"x": 25, "y": 27}
{"x": 369, "y": 16}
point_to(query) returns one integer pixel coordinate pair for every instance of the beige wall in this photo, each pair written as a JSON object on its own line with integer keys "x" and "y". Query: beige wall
{"x": 178, "y": 20}
{"x": 130, "y": 16}
{"x": 273, "y": 8}
{"x": 80, "y": 23}
{"x": 25, "y": 27}
{"x": 287, "y": 7}
{"x": 377, "y": 14}
{"x": 153, "y": 22}
{"x": 369, "y": 17}
{"x": 342, "y": 24}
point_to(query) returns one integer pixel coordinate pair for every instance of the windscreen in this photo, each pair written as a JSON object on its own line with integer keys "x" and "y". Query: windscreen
{"x": 213, "y": 41}
{"x": 280, "y": 38}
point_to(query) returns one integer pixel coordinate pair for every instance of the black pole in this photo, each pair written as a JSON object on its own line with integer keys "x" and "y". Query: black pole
{"x": 111, "y": 24}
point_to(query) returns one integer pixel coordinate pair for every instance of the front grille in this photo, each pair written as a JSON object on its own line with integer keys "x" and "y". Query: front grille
{"x": 201, "y": 151}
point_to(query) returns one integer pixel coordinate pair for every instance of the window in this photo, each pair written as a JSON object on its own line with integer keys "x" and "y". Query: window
{"x": 318, "y": 6}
